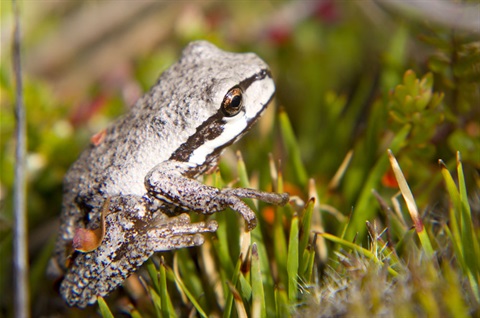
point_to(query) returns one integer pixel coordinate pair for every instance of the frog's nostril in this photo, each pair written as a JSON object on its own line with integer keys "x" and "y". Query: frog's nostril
{"x": 263, "y": 73}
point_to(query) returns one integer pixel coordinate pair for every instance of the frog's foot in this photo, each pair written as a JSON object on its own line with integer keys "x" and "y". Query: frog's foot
{"x": 177, "y": 232}
{"x": 168, "y": 183}
{"x": 231, "y": 197}
{"x": 268, "y": 197}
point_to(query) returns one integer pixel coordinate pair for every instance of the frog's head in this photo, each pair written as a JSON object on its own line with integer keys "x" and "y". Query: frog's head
{"x": 235, "y": 90}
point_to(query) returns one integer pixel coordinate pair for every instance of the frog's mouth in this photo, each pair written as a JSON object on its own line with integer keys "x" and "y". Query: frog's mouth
{"x": 219, "y": 131}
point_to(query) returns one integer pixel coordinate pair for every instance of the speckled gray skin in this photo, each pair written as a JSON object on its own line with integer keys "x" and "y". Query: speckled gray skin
{"x": 147, "y": 163}
{"x": 132, "y": 236}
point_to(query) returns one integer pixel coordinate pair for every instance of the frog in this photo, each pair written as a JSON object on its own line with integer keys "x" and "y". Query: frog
{"x": 135, "y": 185}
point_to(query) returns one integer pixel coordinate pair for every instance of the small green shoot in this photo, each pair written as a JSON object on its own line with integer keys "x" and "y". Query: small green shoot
{"x": 104, "y": 310}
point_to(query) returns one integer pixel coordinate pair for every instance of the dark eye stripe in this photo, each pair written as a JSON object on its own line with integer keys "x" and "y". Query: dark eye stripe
{"x": 257, "y": 77}
{"x": 208, "y": 130}
{"x": 213, "y": 127}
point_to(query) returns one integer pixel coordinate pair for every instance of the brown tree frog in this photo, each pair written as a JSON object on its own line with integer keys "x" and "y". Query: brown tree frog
{"x": 132, "y": 187}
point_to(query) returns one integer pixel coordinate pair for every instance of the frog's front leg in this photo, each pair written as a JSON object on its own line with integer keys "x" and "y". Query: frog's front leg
{"x": 132, "y": 234}
{"x": 168, "y": 182}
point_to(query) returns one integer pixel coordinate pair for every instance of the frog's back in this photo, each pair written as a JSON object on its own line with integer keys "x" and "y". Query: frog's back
{"x": 185, "y": 96}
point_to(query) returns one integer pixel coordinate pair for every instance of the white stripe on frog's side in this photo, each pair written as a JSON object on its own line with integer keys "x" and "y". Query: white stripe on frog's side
{"x": 235, "y": 126}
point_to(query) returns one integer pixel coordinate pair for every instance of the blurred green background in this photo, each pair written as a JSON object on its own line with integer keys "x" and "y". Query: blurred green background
{"x": 337, "y": 67}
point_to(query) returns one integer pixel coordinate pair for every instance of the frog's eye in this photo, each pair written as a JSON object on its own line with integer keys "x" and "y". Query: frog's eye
{"x": 232, "y": 102}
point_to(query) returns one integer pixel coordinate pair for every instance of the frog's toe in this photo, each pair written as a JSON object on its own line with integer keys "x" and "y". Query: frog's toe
{"x": 179, "y": 235}
{"x": 159, "y": 244}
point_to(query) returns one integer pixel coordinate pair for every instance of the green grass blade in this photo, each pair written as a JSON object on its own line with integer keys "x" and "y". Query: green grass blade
{"x": 292, "y": 261}
{"x": 155, "y": 291}
{"x": 463, "y": 188}
{"x": 461, "y": 231}
{"x": 239, "y": 305}
{"x": 104, "y": 310}
{"x": 280, "y": 246}
{"x": 243, "y": 178}
{"x": 221, "y": 245}
{"x": 227, "y": 312}
{"x": 135, "y": 314}
{"x": 153, "y": 273}
{"x": 309, "y": 257}
{"x": 244, "y": 287}
{"x": 184, "y": 266}
{"x": 282, "y": 305}
{"x": 258, "y": 299}
{"x": 279, "y": 240}
{"x": 166, "y": 303}
{"x": 454, "y": 215}
{"x": 469, "y": 239}
{"x": 293, "y": 149}
{"x": 156, "y": 302}
{"x": 456, "y": 247}
{"x": 306, "y": 226}
{"x": 171, "y": 275}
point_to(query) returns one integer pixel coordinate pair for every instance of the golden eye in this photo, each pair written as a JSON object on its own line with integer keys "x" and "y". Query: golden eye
{"x": 232, "y": 102}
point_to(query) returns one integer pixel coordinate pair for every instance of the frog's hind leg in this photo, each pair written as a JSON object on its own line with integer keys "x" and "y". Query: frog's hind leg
{"x": 177, "y": 232}
{"x": 131, "y": 235}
